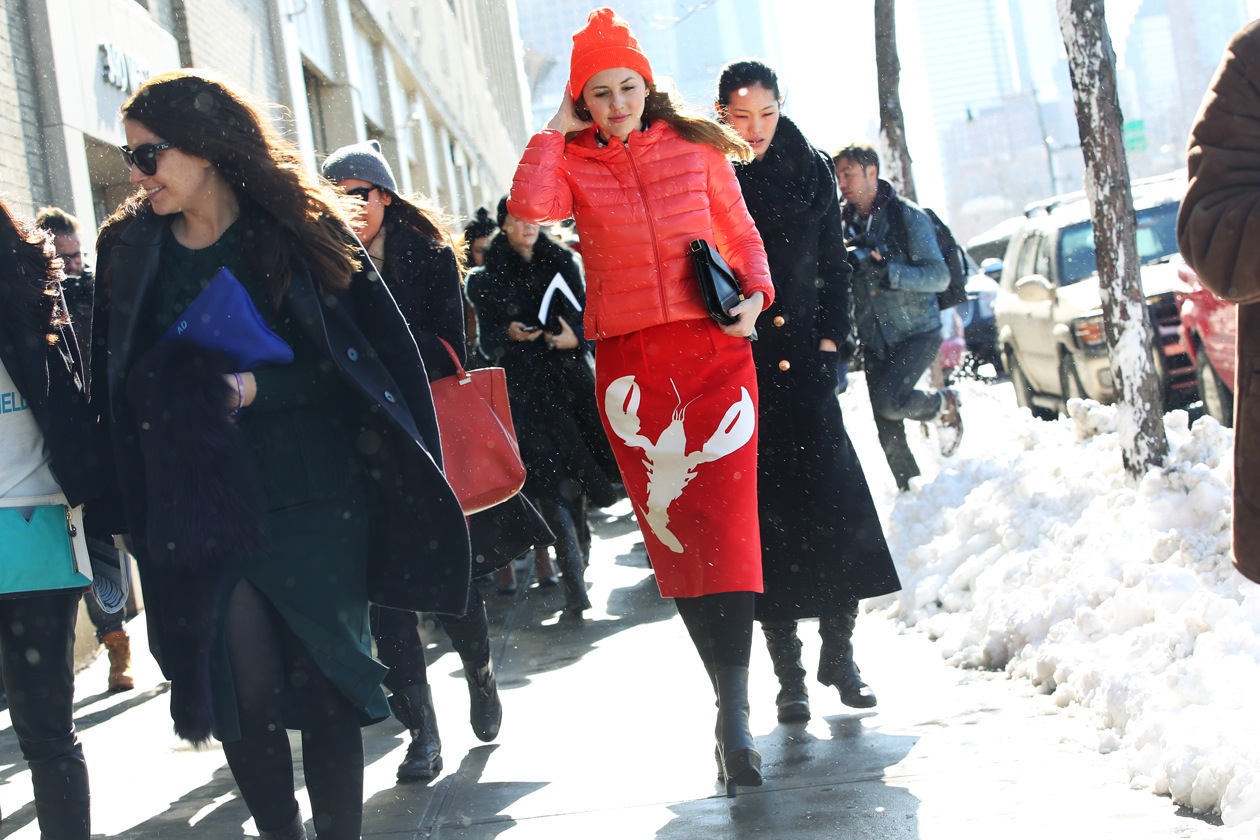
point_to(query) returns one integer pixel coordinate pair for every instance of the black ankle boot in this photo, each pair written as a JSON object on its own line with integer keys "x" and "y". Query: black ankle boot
{"x": 785, "y": 653}
{"x": 741, "y": 763}
{"x": 295, "y": 830}
{"x": 485, "y": 711}
{"x": 836, "y": 666}
{"x": 414, "y": 707}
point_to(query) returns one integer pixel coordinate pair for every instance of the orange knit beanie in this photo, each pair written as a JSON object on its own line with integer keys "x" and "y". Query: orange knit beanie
{"x": 603, "y": 43}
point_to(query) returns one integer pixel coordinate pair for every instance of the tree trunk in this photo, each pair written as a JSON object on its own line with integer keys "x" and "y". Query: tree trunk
{"x": 892, "y": 124}
{"x": 1140, "y": 403}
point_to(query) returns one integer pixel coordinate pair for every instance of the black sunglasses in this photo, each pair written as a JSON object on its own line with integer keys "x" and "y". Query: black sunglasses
{"x": 144, "y": 156}
{"x": 361, "y": 193}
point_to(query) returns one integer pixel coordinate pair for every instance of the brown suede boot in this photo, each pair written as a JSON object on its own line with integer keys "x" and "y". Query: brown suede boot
{"x": 119, "y": 646}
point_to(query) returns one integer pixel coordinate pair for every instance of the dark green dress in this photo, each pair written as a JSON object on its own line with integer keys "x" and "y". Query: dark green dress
{"x": 300, "y": 429}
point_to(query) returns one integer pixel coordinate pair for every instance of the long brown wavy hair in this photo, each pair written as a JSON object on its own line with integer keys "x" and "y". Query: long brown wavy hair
{"x": 30, "y": 280}
{"x": 667, "y": 105}
{"x": 283, "y": 208}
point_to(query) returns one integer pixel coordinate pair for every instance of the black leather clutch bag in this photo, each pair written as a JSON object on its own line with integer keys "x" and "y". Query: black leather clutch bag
{"x": 718, "y": 285}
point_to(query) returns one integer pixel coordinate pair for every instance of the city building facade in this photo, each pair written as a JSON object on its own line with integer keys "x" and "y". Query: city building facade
{"x": 437, "y": 82}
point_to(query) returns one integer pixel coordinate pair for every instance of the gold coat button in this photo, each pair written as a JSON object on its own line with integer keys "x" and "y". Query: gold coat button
{"x": 779, "y": 320}
{"x": 784, "y": 365}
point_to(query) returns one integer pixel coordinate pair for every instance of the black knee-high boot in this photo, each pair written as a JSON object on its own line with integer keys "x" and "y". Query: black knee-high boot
{"x": 741, "y": 763}
{"x": 414, "y": 707}
{"x": 295, "y": 830}
{"x": 569, "y": 559}
{"x": 785, "y": 652}
{"x": 836, "y": 666}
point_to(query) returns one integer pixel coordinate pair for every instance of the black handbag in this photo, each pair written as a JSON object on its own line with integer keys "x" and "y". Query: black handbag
{"x": 718, "y": 285}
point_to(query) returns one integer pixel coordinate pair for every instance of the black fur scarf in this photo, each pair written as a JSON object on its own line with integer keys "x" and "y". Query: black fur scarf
{"x": 205, "y": 504}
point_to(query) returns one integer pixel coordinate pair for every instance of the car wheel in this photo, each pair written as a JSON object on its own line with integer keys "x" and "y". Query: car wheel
{"x": 1069, "y": 380}
{"x": 1218, "y": 400}
{"x": 1023, "y": 390}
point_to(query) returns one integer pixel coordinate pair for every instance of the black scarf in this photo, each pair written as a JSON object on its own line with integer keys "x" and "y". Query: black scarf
{"x": 792, "y": 185}
{"x": 884, "y": 194}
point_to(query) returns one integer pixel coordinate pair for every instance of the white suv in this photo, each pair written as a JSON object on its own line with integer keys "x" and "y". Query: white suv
{"x": 1049, "y": 311}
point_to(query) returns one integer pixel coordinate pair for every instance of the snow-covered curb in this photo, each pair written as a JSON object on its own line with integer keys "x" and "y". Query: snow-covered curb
{"x": 1032, "y": 551}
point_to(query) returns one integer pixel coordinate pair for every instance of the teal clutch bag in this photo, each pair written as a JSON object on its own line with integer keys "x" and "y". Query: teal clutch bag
{"x": 43, "y": 551}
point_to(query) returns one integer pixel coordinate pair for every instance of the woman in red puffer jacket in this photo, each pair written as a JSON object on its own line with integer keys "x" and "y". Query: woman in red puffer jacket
{"x": 677, "y": 392}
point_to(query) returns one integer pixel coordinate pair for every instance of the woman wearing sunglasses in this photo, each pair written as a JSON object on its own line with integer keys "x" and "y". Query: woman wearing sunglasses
{"x": 310, "y": 487}
{"x": 822, "y": 544}
{"x": 416, "y": 257}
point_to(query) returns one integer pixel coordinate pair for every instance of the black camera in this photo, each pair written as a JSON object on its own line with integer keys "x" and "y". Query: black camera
{"x": 860, "y": 248}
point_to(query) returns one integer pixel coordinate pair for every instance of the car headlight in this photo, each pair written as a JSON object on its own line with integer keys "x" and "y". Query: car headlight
{"x": 1089, "y": 331}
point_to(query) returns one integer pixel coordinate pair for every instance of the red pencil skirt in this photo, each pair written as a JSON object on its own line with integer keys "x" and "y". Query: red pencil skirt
{"x": 679, "y": 403}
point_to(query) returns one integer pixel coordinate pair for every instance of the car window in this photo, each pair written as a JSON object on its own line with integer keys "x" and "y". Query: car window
{"x": 1076, "y": 253}
{"x": 1042, "y": 265}
{"x": 1028, "y": 255}
{"x": 1156, "y": 240}
{"x": 1157, "y": 232}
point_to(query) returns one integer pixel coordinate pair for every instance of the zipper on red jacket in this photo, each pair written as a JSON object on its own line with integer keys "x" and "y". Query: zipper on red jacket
{"x": 656, "y": 248}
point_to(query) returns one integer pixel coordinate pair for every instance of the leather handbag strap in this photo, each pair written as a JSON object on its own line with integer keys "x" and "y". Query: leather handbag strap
{"x": 464, "y": 378}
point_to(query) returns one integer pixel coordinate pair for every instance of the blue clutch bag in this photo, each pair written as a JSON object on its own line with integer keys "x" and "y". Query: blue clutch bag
{"x": 223, "y": 318}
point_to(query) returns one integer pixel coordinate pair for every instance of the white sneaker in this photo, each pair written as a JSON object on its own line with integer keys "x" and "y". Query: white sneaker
{"x": 949, "y": 427}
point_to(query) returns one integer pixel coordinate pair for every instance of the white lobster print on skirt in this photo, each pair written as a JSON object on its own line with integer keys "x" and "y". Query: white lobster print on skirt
{"x": 679, "y": 405}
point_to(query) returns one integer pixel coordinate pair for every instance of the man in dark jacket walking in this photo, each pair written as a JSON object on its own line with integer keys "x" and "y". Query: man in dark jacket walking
{"x": 897, "y": 271}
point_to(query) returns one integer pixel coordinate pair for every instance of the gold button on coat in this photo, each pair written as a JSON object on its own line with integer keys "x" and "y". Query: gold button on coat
{"x": 784, "y": 364}
{"x": 779, "y": 321}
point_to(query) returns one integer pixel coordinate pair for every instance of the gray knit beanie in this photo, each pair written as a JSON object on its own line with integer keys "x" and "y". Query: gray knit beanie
{"x": 363, "y": 162}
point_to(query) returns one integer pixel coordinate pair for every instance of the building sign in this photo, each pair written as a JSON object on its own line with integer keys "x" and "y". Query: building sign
{"x": 122, "y": 70}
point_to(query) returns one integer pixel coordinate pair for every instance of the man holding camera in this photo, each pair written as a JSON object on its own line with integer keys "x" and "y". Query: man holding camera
{"x": 897, "y": 271}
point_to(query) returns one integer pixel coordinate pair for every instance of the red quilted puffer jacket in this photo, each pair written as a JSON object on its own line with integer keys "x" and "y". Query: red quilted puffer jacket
{"x": 637, "y": 207}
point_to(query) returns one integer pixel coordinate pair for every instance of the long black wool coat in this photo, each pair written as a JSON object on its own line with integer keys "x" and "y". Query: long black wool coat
{"x": 822, "y": 542}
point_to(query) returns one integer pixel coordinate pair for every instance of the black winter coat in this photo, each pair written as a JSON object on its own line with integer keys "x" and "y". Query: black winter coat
{"x": 419, "y": 555}
{"x": 552, "y": 392}
{"x": 822, "y": 542}
{"x": 424, "y": 279}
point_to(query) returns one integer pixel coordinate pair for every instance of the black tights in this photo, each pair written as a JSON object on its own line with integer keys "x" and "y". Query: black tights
{"x": 264, "y": 655}
{"x": 721, "y": 627}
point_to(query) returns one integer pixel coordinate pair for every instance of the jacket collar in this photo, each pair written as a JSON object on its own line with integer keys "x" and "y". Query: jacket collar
{"x": 588, "y": 143}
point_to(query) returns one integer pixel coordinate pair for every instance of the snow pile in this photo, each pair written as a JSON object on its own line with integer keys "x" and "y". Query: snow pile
{"x": 1032, "y": 551}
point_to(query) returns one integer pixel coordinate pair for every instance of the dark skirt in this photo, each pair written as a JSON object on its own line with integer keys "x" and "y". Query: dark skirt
{"x": 315, "y": 575}
{"x": 679, "y": 403}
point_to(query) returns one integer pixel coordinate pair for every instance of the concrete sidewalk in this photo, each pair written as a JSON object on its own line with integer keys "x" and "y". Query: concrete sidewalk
{"x": 607, "y": 732}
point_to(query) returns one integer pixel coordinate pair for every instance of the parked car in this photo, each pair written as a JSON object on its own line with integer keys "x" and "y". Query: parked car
{"x": 985, "y": 253}
{"x": 1208, "y": 328}
{"x": 1049, "y": 309}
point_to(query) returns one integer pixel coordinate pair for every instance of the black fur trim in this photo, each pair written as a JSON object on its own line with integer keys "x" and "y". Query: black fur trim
{"x": 205, "y": 497}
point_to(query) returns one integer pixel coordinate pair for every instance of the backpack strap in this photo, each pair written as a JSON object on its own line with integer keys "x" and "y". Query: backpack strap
{"x": 898, "y": 235}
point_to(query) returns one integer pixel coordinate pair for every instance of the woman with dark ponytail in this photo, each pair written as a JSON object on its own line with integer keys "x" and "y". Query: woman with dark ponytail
{"x": 266, "y": 506}
{"x": 822, "y": 544}
{"x": 51, "y": 460}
